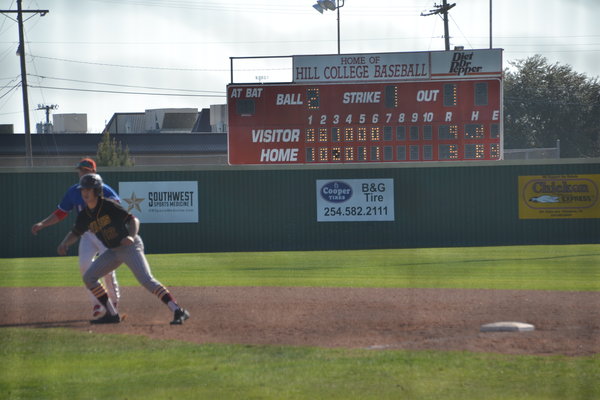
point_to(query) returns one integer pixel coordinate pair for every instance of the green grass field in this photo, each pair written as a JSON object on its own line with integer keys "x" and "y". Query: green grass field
{"x": 574, "y": 267}
{"x": 64, "y": 364}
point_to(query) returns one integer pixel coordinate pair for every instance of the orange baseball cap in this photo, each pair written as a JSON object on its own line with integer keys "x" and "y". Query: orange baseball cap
{"x": 87, "y": 163}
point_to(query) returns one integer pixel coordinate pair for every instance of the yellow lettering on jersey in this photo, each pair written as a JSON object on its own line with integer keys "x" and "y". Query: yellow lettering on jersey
{"x": 110, "y": 233}
{"x": 93, "y": 226}
{"x": 103, "y": 221}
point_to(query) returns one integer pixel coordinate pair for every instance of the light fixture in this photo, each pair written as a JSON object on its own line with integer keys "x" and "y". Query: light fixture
{"x": 323, "y": 5}
{"x": 327, "y": 4}
{"x": 332, "y": 5}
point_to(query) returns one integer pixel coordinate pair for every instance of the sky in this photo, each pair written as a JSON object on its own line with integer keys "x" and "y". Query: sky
{"x": 100, "y": 57}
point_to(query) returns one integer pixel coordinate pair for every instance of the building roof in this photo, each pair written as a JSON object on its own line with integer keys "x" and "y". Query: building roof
{"x": 138, "y": 144}
{"x": 203, "y": 122}
{"x": 126, "y": 123}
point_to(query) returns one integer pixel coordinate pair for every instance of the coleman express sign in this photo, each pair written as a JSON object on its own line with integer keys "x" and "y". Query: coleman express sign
{"x": 559, "y": 196}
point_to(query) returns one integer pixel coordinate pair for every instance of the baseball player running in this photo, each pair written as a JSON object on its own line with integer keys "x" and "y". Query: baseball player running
{"x": 118, "y": 231}
{"x": 89, "y": 245}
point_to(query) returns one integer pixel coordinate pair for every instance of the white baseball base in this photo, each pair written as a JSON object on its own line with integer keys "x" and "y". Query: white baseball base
{"x": 507, "y": 327}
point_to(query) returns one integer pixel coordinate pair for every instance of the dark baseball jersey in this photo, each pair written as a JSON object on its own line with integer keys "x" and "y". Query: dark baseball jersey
{"x": 107, "y": 221}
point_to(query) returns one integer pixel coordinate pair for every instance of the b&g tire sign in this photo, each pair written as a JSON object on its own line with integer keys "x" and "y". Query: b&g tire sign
{"x": 346, "y": 200}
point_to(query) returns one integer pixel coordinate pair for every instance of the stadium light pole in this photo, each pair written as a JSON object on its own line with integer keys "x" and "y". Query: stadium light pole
{"x": 490, "y": 24}
{"x": 323, "y": 5}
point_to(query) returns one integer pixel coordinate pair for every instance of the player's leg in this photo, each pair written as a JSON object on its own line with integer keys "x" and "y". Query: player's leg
{"x": 86, "y": 253}
{"x": 110, "y": 280}
{"x": 133, "y": 256}
{"x": 105, "y": 263}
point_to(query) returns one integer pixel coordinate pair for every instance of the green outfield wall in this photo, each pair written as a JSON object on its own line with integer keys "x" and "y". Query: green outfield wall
{"x": 276, "y": 208}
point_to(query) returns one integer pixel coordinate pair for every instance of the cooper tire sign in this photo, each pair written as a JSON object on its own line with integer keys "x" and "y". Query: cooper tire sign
{"x": 346, "y": 200}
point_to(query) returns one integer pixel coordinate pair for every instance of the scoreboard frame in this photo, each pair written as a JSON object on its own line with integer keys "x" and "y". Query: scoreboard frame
{"x": 390, "y": 107}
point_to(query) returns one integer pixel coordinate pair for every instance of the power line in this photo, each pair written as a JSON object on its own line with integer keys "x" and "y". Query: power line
{"x": 460, "y": 30}
{"x": 10, "y": 90}
{"x": 127, "y": 86}
{"x": 10, "y": 80}
{"x": 273, "y": 8}
{"x": 195, "y": 43}
{"x": 120, "y": 92}
{"x": 552, "y": 51}
{"x": 129, "y": 66}
{"x": 152, "y": 68}
{"x": 11, "y": 113}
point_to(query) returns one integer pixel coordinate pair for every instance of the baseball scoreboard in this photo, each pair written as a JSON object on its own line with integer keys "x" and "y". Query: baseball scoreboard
{"x": 364, "y": 108}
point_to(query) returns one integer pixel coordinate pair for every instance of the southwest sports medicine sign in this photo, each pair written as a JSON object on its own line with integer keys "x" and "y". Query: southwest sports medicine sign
{"x": 161, "y": 202}
{"x": 346, "y": 200}
{"x": 559, "y": 196}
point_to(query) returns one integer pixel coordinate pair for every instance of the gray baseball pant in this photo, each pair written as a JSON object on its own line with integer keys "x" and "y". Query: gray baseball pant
{"x": 133, "y": 256}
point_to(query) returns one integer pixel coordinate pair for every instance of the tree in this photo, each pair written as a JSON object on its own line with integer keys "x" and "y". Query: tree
{"x": 111, "y": 154}
{"x": 543, "y": 103}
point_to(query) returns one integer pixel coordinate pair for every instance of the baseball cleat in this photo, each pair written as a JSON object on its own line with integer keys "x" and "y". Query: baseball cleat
{"x": 179, "y": 316}
{"x": 98, "y": 311}
{"x": 107, "y": 319}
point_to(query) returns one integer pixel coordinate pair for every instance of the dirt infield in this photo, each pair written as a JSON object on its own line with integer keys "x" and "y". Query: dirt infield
{"x": 566, "y": 323}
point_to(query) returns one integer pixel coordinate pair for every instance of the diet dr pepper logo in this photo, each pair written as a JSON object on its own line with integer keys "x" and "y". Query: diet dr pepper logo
{"x": 336, "y": 192}
{"x": 462, "y": 64}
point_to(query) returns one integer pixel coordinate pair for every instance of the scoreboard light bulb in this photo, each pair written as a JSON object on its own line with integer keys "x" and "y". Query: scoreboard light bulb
{"x": 495, "y": 151}
{"x": 349, "y": 154}
{"x": 323, "y": 135}
{"x": 350, "y": 134}
{"x": 313, "y": 98}
{"x": 375, "y": 133}
{"x": 323, "y": 153}
{"x": 336, "y": 154}
{"x": 362, "y": 134}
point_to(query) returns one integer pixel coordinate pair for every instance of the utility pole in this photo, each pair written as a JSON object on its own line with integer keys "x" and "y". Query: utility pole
{"x": 21, "y": 52}
{"x": 47, "y": 108}
{"x": 442, "y": 9}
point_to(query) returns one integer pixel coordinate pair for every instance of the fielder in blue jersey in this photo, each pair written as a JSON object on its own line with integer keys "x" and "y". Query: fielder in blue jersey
{"x": 90, "y": 246}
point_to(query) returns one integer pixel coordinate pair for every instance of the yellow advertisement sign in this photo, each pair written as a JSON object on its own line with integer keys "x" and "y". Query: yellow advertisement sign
{"x": 559, "y": 196}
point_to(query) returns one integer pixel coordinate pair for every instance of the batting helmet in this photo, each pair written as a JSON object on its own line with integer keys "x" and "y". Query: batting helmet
{"x": 91, "y": 181}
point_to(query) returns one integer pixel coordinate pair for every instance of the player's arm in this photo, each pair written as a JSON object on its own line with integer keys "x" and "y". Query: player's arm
{"x": 57, "y": 216}
{"x": 69, "y": 239}
{"x": 64, "y": 207}
{"x": 81, "y": 225}
{"x": 133, "y": 227}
